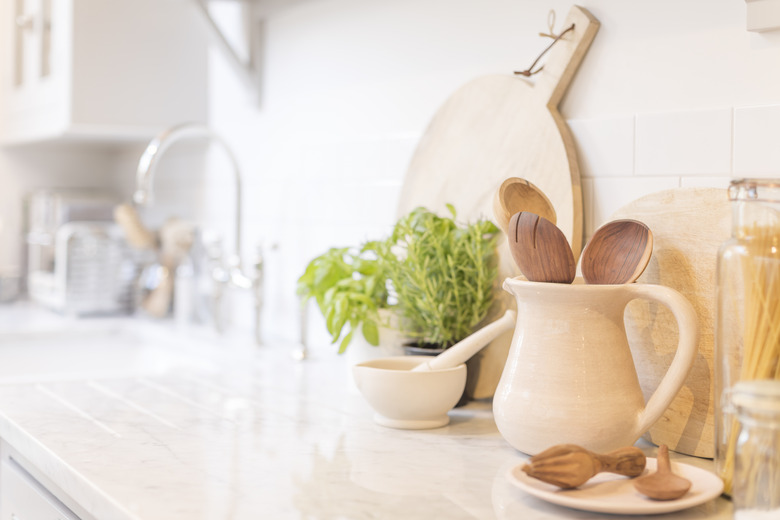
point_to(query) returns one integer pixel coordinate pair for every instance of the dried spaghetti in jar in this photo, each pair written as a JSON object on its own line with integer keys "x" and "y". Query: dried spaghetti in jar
{"x": 747, "y": 334}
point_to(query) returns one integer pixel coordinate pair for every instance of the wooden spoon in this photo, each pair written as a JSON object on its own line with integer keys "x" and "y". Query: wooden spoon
{"x": 540, "y": 249}
{"x": 663, "y": 484}
{"x": 515, "y": 195}
{"x": 135, "y": 232}
{"x": 617, "y": 253}
{"x": 569, "y": 466}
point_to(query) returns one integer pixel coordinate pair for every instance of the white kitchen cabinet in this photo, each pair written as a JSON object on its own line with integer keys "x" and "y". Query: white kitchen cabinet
{"x": 100, "y": 69}
{"x": 25, "y": 497}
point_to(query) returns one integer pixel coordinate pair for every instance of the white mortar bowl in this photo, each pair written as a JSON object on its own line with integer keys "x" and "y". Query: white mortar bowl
{"x": 405, "y": 399}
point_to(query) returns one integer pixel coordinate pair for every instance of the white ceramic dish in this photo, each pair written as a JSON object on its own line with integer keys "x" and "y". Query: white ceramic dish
{"x": 615, "y": 494}
{"x": 409, "y": 400}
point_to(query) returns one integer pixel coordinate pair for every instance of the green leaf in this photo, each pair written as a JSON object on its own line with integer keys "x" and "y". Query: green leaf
{"x": 439, "y": 275}
{"x": 330, "y": 316}
{"x": 444, "y": 274}
{"x": 345, "y": 342}
{"x": 371, "y": 332}
{"x": 340, "y": 310}
{"x": 451, "y": 209}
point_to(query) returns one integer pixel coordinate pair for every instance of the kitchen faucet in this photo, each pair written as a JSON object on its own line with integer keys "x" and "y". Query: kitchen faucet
{"x": 233, "y": 273}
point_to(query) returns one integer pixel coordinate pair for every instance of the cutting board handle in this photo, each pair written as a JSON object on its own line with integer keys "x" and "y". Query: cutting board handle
{"x": 566, "y": 55}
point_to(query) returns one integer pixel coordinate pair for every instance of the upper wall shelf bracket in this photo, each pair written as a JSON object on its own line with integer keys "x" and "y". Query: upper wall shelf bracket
{"x": 237, "y": 27}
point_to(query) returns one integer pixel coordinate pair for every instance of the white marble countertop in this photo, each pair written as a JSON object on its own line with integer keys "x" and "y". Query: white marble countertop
{"x": 133, "y": 424}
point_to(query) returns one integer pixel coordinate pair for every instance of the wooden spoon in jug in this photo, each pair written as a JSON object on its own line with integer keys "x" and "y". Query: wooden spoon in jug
{"x": 617, "y": 253}
{"x": 516, "y": 194}
{"x": 540, "y": 249}
{"x": 663, "y": 484}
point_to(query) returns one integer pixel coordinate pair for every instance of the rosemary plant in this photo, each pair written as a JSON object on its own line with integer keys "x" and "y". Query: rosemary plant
{"x": 442, "y": 275}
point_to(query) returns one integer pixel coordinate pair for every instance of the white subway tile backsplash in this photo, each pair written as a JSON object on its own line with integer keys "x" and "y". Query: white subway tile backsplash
{"x": 756, "y": 138}
{"x": 362, "y": 160}
{"x": 185, "y": 203}
{"x": 610, "y": 194}
{"x": 379, "y": 203}
{"x": 605, "y": 146}
{"x": 695, "y": 142}
{"x": 271, "y": 200}
{"x": 336, "y": 203}
{"x": 705, "y": 182}
{"x": 398, "y": 154}
{"x": 314, "y": 194}
{"x": 350, "y": 161}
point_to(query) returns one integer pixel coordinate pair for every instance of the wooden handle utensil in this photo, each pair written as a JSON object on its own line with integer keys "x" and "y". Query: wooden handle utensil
{"x": 136, "y": 233}
{"x": 663, "y": 484}
{"x": 540, "y": 249}
{"x": 617, "y": 253}
{"x": 515, "y": 195}
{"x": 569, "y": 466}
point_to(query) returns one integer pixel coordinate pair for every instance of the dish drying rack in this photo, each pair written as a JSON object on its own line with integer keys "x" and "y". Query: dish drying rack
{"x": 89, "y": 271}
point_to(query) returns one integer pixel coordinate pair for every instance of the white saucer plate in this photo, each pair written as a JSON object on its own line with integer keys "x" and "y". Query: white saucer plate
{"x": 610, "y": 493}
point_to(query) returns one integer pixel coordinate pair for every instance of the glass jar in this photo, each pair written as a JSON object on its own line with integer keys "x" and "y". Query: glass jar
{"x": 747, "y": 330}
{"x": 756, "y": 489}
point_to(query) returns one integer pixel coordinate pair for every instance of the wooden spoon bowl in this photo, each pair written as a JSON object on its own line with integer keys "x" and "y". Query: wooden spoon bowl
{"x": 515, "y": 195}
{"x": 540, "y": 249}
{"x": 617, "y": 253}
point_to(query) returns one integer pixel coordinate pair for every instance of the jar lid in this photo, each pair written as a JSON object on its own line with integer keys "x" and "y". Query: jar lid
{"x": 766, "y": 190}
{"x": 759, "y": 395}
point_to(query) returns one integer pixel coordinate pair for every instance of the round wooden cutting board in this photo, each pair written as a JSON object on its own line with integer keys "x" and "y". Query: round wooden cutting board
{"x": 496, "y": 127}
{"x": 688, "y": 225}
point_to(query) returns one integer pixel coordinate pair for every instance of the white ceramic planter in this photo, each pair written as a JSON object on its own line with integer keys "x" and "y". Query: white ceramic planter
{"x": 391, "y": 343}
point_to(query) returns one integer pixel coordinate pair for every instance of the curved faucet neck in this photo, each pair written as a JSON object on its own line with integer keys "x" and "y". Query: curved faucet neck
{"x": 157, "y": 147}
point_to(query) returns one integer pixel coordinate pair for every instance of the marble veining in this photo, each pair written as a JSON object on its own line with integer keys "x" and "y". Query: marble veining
{"x": 230, "y": 431}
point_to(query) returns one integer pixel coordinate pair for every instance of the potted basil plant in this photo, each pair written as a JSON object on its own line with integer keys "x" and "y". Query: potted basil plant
{"x": 350, "y": 289}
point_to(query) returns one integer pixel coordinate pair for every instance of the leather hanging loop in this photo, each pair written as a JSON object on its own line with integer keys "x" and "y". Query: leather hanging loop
{"x": 530, "y": 70}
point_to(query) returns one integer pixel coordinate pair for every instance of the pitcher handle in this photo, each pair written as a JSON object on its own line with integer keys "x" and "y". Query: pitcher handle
{"x": 684, "y": 357}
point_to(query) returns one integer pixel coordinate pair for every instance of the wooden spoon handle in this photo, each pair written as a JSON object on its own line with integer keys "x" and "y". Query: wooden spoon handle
{"x": 628, "y": 461}
{"x": 662, "y": 459}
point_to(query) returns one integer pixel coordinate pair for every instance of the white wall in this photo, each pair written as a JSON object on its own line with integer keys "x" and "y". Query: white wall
{"x": 670, "y": 94}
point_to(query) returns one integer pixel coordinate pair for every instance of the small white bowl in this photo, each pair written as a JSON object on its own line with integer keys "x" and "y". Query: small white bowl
{"x": 409, "y": 400}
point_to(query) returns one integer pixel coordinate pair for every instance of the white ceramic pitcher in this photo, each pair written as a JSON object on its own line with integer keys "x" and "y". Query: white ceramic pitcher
{"x": 570, "y": 377}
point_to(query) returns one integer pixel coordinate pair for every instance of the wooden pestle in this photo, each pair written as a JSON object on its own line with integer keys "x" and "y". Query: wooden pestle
{"x": 569, "y": 466}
